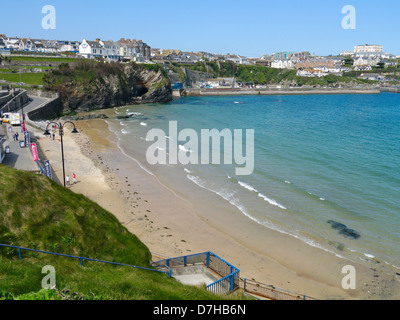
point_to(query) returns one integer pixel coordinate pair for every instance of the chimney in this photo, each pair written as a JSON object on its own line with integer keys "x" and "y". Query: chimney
{"x": 97, "y": 40}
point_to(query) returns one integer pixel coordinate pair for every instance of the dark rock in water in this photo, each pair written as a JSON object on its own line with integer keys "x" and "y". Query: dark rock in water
{"x": 350, "y": 233}
{"x": 337, "y": 225}
{"x": 343, "y": 230}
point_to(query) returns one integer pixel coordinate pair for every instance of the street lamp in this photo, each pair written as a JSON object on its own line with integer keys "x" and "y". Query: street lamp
{"x": 60, "y": 127}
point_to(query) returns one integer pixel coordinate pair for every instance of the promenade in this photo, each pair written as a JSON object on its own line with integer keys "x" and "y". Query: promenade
{"x": 18, "y": 158}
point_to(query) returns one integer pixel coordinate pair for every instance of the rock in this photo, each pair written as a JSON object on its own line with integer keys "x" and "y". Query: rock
{"x": 343, "y": 230}
{"x": 109, "y": 85}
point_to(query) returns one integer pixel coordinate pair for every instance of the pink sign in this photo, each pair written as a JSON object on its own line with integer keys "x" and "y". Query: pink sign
{"x": 34, "y": 152}
{"x": 23, "y": 126}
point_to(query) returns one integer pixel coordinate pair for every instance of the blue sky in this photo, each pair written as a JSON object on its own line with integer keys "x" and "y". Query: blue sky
{"x": 250, "y": 28}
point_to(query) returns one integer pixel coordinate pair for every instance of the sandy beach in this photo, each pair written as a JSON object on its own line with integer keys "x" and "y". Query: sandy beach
{"x": 171, "y": 226}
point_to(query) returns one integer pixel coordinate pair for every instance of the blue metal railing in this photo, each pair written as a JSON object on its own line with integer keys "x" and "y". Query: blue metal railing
{"x": 229, "y": 273}
{"x": 81, "y": 259}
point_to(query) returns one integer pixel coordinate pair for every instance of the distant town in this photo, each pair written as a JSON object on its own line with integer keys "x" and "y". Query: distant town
{"x": 366, "y": 57}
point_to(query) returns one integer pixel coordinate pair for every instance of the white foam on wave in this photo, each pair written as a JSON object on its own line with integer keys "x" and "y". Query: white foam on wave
{"x": 144, "y": 124}
{"x": 134, "y": 113}
{"x": 187, "y": 170}
{"x": 229, "y": 196}
{"x": 247, "y": 186}
{"x": 271, "y": 201}
{"x": 124, "y": 131}
{"x": 288, "y": 182}
{"x": 226, "y": 194}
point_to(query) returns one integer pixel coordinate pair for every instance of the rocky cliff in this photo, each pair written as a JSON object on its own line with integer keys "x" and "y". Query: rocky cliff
{"x": 92, "y": 85}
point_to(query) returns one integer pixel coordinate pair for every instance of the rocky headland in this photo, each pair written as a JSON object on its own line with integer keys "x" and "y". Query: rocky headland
{"x": 89, "y": 85}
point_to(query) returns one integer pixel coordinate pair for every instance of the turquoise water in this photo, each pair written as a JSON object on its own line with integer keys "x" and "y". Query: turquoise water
{"x": 317, "y": 158}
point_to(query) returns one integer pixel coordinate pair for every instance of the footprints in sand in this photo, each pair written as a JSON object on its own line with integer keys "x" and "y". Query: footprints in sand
{"x": 140, "y": 217}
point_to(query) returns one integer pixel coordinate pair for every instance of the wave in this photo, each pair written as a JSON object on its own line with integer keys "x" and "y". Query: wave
{"x": 247, "y": 186}
{"x": 144, "y": 124}
{"x": 226, "y": 194}
{"x": 134, "y": 114}
{"x": 229, "y": 196}
{"x": 271, "y": 201}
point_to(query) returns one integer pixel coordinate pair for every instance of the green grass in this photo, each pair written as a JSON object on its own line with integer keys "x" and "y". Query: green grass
{"x": 35, "y": 212}
{"x": 27, "y": 78}
{"x": 40, "y": 59}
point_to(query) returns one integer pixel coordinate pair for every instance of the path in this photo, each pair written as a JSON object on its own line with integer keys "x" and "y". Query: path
{"x": 19, "y": 158}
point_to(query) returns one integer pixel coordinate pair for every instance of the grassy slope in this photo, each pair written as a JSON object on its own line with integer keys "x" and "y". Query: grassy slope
{"x": 28, "y": 78}
{"x": 37, "y": 213}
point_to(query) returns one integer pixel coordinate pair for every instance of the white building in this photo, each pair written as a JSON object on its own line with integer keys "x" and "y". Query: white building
{"x": 366, "y": 61}
{"x": 368, "y": 48}
{"x": 107, "y": 50}
{"x": 282, "y": 64}
{"x": 131, "y": 50}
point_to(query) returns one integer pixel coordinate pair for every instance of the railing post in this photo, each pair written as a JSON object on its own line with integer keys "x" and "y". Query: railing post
{"x": 19, "y": 253}
{"x": 244, "y": 284}
{"x": 208, "y": 259}
{"x": 81, "y": 261}
{"x": 231, "y": 280}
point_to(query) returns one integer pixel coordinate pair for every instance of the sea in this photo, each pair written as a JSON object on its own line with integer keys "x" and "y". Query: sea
{"x": 326, "y": 167}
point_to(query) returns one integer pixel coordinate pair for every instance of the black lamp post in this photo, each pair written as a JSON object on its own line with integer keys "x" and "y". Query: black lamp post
{"x": 60, "y": 127}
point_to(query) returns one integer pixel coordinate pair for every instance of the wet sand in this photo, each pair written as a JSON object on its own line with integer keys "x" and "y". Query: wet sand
{"x": 171, "y": 226}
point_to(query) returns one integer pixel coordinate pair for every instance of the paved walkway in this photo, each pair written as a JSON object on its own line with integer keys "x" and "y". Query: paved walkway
{"x": 18, "y": 158}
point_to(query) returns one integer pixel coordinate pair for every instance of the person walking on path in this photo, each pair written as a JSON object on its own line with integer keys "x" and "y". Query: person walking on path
{"x": 16, "y": 136}
{"x": 67, "y": 180}
{"x": 74, "y": 177}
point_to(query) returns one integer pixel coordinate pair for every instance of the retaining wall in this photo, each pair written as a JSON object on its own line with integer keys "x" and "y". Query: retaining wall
{"x": 51, "y": 109}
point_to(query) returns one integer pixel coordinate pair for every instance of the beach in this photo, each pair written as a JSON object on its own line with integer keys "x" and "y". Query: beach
{"x": 171, "y": 225}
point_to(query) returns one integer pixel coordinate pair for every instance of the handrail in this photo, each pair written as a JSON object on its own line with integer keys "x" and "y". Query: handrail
{"x": 206, "y": 259}
{"x": 270, "y": 292}
{"x": 81, "y": 259}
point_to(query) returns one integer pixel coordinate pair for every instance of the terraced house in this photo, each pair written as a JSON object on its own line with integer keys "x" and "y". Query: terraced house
{"x": 122, "y": 50}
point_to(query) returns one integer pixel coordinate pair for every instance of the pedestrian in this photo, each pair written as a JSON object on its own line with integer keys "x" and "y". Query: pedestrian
{"x": 16, "y": 136}
{"x": 67, "y": 180}
{"x": 54, "y": 135}
{"x": 74, "y": 177}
